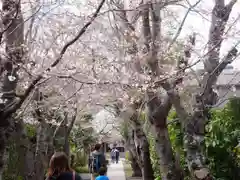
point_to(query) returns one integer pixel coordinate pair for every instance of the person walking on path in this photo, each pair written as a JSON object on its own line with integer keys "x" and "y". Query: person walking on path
{"x": 116, "y": 155}
{"x": 102, "y": 174}
{"x": 59, "y": 168}
{"x": 113, "y": 155}
{"x": 97, "y": 160}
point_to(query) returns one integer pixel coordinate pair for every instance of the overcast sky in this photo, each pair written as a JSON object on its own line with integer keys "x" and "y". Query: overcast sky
{"x": 201, "y": 25}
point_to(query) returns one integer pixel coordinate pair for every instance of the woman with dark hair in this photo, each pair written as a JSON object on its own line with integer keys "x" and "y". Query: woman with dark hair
{"x": 59, "y": 168}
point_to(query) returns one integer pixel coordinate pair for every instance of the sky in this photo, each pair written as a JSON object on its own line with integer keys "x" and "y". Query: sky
{"x": 199, "y": 24}
{"x": 105, "y": 120}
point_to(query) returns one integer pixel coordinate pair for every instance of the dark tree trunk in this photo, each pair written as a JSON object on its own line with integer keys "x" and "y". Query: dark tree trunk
{"x": 22, "y": 142}
{"x": 66, "y": 147}
{"x": 147, "y": 170}
{"x": 13, "y": 26}
{"x": 141, "y": 143}
{"x": 40, "y": 154}
{"x": 133, "y": 156}
{"x": 134, "y": 165}
{"x": 43, "y": 136}
{"x": 157, "y": 112}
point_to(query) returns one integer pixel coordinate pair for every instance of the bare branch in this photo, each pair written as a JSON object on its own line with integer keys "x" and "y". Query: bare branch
{"x": 220, "y": 16}
{"x": 58, "y": 128}
{"x": 146, "y": 27}
{"x": 212, "y": 78}
{"x": 40, "y": 76}
{"x": 182, "y": 24}
{"x": 73, "y": 120}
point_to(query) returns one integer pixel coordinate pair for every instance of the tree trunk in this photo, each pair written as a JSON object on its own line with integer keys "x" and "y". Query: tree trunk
{"x": 134, "y": 165}
{"x": 133, "y": 156}
{"x": 43, "y": 136}
{"x": 170, "y": 170}
{"x": 68, "y": 129}
{"x": 206, "y": 98}
{"x": 13, "y": 26}
{"x": 147, "y": 170}
{"x": 22, "y": 142}
{"x": 142, "y": 145}
{"x": 2, "y": 160}
{"x": 66, "y": 147}
{"x": 40, "y": 155}
{"x": 29, "y": 168}
{"x": 157, "y": 112}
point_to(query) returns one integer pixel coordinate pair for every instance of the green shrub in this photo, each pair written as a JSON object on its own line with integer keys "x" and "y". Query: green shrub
{"x": 127, "y": 156}
{"x": 153, "y": 155}
{"x": 223, "y": 132}
{"x": 81, "y": 169}
{"x": 81, "y": 159}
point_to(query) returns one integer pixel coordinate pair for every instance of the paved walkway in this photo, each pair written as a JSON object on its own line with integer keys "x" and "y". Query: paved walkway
{"x": 116, "y": 171}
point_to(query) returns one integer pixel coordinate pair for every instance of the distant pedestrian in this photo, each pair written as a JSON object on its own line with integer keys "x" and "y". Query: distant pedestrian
{"x": 116, "y": 154}
{"x": 113, "y": 155}
{"x": 102, "y": 174}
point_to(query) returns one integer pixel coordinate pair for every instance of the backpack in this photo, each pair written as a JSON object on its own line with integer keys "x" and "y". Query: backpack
{"x": 96, "y": 162}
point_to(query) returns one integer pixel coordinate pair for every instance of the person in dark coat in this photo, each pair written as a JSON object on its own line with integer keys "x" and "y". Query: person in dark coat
{"x": 113, "y": 155}
{"x": 116, "y": 155}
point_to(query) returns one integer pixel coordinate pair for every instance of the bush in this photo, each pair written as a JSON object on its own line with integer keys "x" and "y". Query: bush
{"x": 81, "y": 159}
{"x": 81, "y": 169}
{"x": 127, "y": 157}
{"x": 222, "y": 141}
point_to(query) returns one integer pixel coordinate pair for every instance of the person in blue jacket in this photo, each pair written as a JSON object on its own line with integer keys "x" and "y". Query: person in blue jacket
{"x": 102, "y": 174}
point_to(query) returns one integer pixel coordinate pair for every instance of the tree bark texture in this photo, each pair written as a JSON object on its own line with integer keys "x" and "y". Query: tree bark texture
{"x": 195, "y": 127}
{"x": 133, "y": 156}
{"x": 134, "y": 165}
{"x": 13, "y": 34}
{"x": 194, "y": 124}
{"x": 66, "y": 147}
{"x": 141, "y": 144}
{"x": 157, "y": 112}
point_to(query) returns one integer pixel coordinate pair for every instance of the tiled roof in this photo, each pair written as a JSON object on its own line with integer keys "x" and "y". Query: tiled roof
{"x": 226, "y": 78}
{"x": 229, "y": 77}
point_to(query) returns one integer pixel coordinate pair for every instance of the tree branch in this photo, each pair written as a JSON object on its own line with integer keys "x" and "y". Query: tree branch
{"x": 220, "y": 16}
{"x": 146, "y": 27}
{"x": 212, "y": 78}
{"x": 18, "y": 104}
{"x": 73, "y": 120}
{"x": 181, "y": 25}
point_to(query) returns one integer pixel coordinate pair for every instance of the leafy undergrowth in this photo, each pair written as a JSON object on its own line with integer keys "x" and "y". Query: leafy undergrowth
{"x": 82, "y": 169}
{"x": 127, "y": 169}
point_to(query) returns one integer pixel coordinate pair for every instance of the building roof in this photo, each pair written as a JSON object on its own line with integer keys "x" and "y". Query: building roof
{"x": 228, "y": 77}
